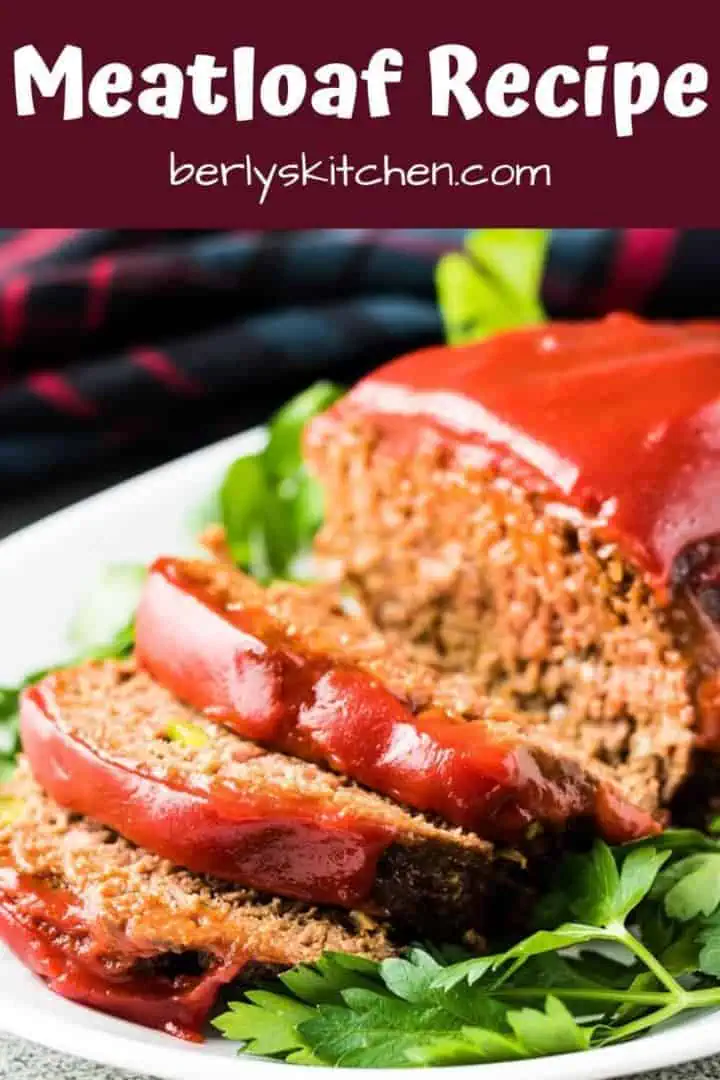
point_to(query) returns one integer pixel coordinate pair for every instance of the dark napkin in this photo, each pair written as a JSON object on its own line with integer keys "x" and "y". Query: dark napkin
{"x": 118, "y": 343}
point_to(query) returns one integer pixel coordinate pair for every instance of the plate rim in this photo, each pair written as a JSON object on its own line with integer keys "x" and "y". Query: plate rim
{"x": 185, "y": 1061}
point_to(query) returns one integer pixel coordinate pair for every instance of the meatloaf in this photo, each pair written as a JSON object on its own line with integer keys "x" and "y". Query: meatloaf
{"x": 114, "y": 927}
{"x": 542, "y": 510}
{"x": 106, "y": 741}
{"x": 292, "y": 670}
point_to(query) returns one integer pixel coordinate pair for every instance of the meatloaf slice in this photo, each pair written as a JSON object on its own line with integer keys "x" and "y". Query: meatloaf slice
{"x": 542, "y": 510}
{"x": 291, "y": 670}
{"x": 114, "y": 927}
{"x": 106, "y": 741}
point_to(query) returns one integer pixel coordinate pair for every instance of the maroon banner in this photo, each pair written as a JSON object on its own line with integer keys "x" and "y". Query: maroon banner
{"x": 158, "y": 114}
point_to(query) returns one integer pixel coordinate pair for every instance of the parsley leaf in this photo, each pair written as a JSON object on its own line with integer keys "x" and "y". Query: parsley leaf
{"x": 596, "y": 886}
{"x": 411, "y": 979}
{"x": 637, "y": 875}
{"x": 267, "y": 1025}
{"x": 467, "y": 1047}
{"x": 323, "y": 982}
{"x": 494, "y": 284}
{"x": 691, "y": 887}
{"x": 553, "y": 1030}
{"x": 271, "y": 508}
{"x": 708, "y": 939}
{"x": 373, "y": 1030}
{"x": 556, "y": 991}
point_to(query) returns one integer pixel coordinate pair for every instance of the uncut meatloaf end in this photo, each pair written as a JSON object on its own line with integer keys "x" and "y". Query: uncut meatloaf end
{"x": 107, "y": 741}
{"x": 294, "y": 669}
{"x": 480, "y": 565}
{"x": 124, "y": 931}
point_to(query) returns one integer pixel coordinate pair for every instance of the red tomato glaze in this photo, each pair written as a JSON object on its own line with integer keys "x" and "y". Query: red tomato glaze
{"x": 280, "y": 843}
{"x": 618, "y": 417}
{"x": 45, "y": 929}
{"x": 244, "y": 670}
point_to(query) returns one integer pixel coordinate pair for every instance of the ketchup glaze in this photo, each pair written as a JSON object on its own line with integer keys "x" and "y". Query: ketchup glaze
{"x": 290, "y": 844}
{"x": 46, "y": 929}
{"x": 618, "y": 417}
{"x": 243, "y": 668}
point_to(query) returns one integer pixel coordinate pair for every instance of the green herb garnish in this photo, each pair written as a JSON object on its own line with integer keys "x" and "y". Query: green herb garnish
{"x": 638, "y": 944}
{"x": 271, "y": 508}
{"x": 493, "y": 284}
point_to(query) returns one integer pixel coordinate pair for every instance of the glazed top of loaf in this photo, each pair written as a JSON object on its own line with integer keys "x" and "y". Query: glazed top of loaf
{"x": 619, "y": 418}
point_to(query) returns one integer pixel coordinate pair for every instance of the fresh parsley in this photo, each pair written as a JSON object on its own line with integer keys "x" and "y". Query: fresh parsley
{"x": 271, "y": 508}
{"x": 637, "y": 943}
{"x": 493, "y": 284}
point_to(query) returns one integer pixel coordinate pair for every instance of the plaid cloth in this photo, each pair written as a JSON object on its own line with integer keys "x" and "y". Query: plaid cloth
{"x": 112, "y": 340}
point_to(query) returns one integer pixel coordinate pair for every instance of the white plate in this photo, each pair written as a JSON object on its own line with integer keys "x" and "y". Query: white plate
{"x": 44, "y": 572}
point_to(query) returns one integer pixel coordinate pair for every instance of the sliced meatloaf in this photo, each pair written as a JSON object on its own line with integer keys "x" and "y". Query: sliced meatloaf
{"x": 116, "y": 928}
{"x": 542, "y": 510}
{"x": 107, "y": 741}
{"x": 294, "y": 671}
